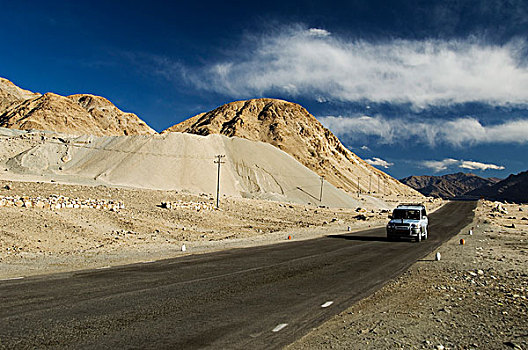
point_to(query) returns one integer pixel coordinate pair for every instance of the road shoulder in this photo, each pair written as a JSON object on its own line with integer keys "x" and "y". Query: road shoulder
{"x": 474, "y": 297}
{"x": 78, "y": 236}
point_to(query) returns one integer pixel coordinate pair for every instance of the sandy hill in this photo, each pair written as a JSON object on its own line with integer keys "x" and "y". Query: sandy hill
{"x": 513, "y": 189}
{"x": 292, "y": 129}
{"x": 173, "y": 161}
{"x": 447, "y": 186}
{"x": 75, "y": 114}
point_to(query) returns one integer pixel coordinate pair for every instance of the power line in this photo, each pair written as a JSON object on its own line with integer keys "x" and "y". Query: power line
{"x": 219, "y": 162}
{"x": 321, "y": 193}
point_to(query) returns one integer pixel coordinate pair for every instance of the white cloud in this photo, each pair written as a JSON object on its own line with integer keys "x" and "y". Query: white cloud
{"x": 466, "y": 164}
{"x": 300, "y": 61}
{"x": 318, "y": 32}
{"x": 379, "y": 162}
{"x": 470, "y": 130}
{"x": 439, "y": 165}
{"x": 365, "y": 148}
{"x": 456, "y": 132}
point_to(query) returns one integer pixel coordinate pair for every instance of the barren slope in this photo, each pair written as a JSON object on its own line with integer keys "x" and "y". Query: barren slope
{"x": 292, "y": 129}
{"x": 11, "y": 94}
{"x": 75, "y": 114}
{"x": 173, "y": 161}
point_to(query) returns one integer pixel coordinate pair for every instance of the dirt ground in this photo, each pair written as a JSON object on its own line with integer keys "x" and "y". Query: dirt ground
{"x": 37, "y": 241}
{"x": 475, "y": 297}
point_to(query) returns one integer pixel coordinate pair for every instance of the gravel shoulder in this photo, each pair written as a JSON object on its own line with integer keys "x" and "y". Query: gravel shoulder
{"x": 475, "y": 297}
{"x": 39, "y": 241}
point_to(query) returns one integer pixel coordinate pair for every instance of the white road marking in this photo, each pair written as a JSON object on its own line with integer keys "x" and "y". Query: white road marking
{"x": 11, "y": 278}
{"x": 103, "y": 267}
{"x": 327, "y": 304}
{"x": 279, "y": 327}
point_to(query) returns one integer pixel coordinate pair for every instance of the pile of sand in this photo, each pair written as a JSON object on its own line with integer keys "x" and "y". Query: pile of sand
{"x": 172, "y": 161}
{"x": 289, "y": 127}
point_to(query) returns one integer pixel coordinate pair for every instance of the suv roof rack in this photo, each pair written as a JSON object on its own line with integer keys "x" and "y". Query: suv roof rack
{"x": 411, "y": 205}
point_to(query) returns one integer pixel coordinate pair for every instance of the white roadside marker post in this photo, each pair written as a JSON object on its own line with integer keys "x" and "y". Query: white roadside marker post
{"x": 327, "y": 304}
{"x": 279, "y": 327}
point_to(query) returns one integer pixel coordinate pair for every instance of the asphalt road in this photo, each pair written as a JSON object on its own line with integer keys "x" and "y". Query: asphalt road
{"x": 254, "y": 298}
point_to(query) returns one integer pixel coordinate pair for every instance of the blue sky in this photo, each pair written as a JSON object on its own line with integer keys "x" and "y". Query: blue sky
{"x": 414, "y": 87}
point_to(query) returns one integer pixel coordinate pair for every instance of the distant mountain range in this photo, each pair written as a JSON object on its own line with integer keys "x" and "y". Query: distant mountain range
{"x": 513, "y": 189}
{"x": 448, "y": 186}
{"x": 461, "y": 185}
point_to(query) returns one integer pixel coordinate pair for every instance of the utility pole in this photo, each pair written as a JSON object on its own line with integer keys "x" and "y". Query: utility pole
{"x": 219, "y": 162}
{"x": 359, "y": 190}
{"x": 321, "y": 193}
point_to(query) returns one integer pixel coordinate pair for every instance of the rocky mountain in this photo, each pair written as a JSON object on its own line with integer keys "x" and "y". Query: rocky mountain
{"x": 290, "y": 127}
{"x": 512, "y": 189}
{"x": 447, "y": 186}
{"x": 75, "y": 114}
{"x": 11, "y": 94}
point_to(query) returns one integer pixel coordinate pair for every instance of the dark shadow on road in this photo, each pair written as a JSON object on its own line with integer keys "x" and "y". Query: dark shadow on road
{"x": 360, "y": 238}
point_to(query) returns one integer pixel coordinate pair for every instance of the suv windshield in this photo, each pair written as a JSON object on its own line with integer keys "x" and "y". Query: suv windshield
{"x": 406, "y": 214}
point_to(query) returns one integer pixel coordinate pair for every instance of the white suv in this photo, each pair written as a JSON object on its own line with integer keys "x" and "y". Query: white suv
{"x": 408, "y": 221}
